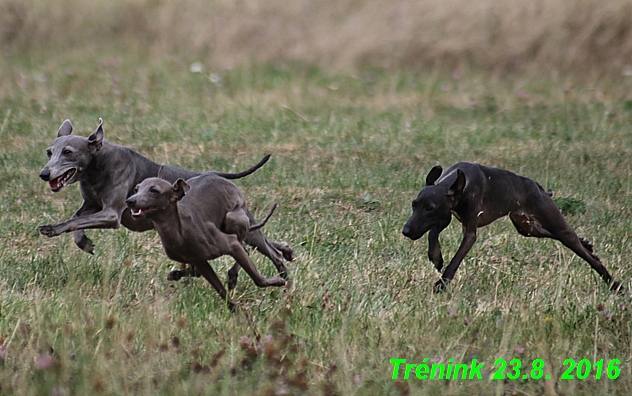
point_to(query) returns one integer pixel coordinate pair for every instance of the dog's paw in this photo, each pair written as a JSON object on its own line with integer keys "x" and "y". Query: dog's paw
{"x": 438, "y": 264}
{"x": 184, "y": 271}
{"x": 283, "y": 272}
{"x": 277, "y": 281}
{"x": 231, "y": 282}
{"x": 86, "y": 245}
{"x": 48, "y": 230}
{"x": 587, "y": 244}
{"x": 617, "y": 287}
{"x": 440, "y": 285}
{"x": 286, "y": 250}
{"x": 175, "y": 275}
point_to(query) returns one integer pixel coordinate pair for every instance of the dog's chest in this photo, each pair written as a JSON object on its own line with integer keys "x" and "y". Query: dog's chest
{"x": 93, "y": 193}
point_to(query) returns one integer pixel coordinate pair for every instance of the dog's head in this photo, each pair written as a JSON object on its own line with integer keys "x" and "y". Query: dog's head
{"x": 155, "y": 194}
{"x": 70, "y": 155}
{"x": 432, "y": 207}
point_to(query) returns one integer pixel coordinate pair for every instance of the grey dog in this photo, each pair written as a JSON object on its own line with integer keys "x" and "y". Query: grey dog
{"x": 477, "y": 195}
{"x": 199, "y": 220}
{"x": 107, "y": 174}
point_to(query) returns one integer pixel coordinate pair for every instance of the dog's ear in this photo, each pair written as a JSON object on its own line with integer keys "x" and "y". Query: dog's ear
{"x": 180, "y": 187}
{"x": 459, "y": 184}
{"x": 161, "y": 172}
{"x": 95, "y": 140}
{"x": 65, "y": 129}
{"x": 433, "y": 175}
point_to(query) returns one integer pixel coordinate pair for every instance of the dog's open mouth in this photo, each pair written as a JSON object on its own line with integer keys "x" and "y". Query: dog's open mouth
{"x": 61, "y": 181}
{"x": 138, "y": 212}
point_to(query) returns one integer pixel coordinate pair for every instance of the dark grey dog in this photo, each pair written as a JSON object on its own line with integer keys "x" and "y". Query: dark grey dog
{"x": 107, "y": 174}
{"x": 478, "y": 195}
{"x": 199, "y": 220}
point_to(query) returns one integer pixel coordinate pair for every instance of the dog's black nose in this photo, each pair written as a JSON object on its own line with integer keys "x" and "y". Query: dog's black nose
{"x": 406, "y": 231}
{"x": 45, "y": 175}
{"x": 130, "y": 202}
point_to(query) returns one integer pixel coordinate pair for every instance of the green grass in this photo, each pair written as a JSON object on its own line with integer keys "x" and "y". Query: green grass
{"x": 350, "y": 152}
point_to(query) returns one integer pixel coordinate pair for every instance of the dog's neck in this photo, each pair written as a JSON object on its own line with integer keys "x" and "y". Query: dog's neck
{"x": 168, "y": 223}
{"x": 93, "y": 170}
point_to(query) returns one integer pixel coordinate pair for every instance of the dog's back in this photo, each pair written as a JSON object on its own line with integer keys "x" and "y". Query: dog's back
{"x": 211, "y": 197}
{"x": 497, "y": 188}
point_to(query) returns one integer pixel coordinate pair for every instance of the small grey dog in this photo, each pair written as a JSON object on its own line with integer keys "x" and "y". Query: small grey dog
{"x": 199, "y": 220}
{"x": 478, "y": 195}
{"x": 107, "y": 174}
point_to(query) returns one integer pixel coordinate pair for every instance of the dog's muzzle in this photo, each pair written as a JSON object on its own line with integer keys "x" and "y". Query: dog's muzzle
{"x": 407, "y": 232}
{"x": 45, "y": 175}
{"x": 59, "y": 182}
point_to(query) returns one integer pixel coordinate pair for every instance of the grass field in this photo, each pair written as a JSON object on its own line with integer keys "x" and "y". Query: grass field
{"x": 351, "y": 150}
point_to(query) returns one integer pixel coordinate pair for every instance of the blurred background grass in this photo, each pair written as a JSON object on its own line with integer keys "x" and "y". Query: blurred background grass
{"x": 589, "y": 38}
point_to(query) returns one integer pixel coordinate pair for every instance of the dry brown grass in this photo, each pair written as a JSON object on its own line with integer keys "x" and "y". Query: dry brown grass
{"x": 589, "y": 37}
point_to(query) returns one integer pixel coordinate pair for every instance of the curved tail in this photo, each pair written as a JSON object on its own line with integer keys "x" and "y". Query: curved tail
{"x": 255, "y": 227}
{"x": 239, "y": 175}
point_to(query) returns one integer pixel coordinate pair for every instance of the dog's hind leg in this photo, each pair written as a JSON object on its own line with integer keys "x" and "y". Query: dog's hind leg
{"x": 528, "y": 225}
{"x": 263, "y": 244}
{"x": 235, "y": 222}
{"x": 237, "y": 251}
{"x": 553, "y": 225}
{"x": 283, "y": 247}
{"x": 266, "y": 247}
{"x": 571, "y": 241}
{"x": 233, "y": 274}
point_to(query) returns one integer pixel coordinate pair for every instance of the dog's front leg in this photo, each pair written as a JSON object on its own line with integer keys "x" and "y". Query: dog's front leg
{"x": 469, "y": 237}
{"x": 434, "y": 249}
{"x": 81, "y": 240}
{"x": 102, "y": 219}
{"x": 112, "y": 207}
{"x": 204, "y": 268}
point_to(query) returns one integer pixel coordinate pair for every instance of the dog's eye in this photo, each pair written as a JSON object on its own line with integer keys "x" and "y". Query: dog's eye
{"x": 414, "y": 205}
{"x": 135, "y": 189}
{"x": 154, "y": 191}
{"x": 66, "y": 152}
{"x": 49, "y": 153}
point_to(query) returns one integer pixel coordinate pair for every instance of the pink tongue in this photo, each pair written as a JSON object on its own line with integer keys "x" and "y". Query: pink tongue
{"x": 54, "y": 184}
